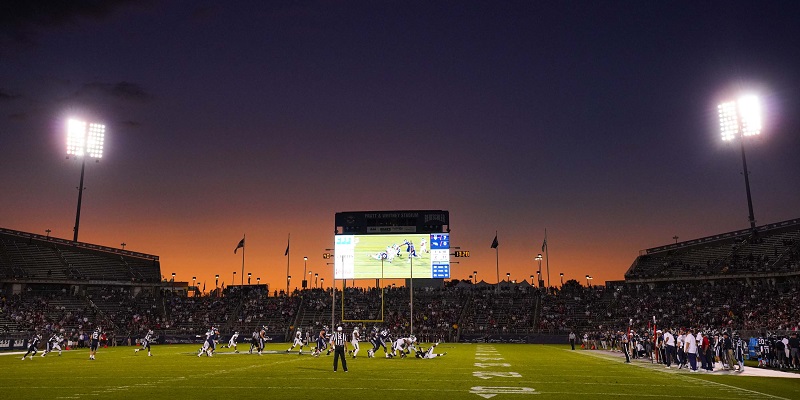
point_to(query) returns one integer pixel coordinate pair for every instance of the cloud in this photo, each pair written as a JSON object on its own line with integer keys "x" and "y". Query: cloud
{"x": 22, "y": 13}
{"x": 20, "y": 116}
{"x": 21, "y": 19}
{"x": 130, "y": 123}
{"x": 5, "y": 96}
{"x": 121, "y": 90}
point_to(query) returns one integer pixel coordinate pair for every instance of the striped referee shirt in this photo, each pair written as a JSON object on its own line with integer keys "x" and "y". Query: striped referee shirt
{"x": 339, "y": 338}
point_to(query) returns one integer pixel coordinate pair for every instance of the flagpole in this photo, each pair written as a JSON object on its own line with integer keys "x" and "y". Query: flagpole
{"x": 547, "y": 254}
{"x": 497, "y": 261}
{"x": 288, "y": 248}
{"x": 243, "y": 248}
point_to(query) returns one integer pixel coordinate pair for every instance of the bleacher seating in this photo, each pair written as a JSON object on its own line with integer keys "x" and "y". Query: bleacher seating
{"x": 769, "y": 251}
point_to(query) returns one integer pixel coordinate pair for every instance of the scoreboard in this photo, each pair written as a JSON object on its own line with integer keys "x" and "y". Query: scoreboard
{"x": 392, "y": 245}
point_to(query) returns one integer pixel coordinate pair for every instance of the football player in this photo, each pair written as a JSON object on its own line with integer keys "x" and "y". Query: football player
{"x": 54, "y": 343}
{"x": 355, "y": 337}
{"x": 298, "y": 341}
{"x": 95, "y": 342}
{"x": 232, "y": 341}
{"x": 210, "y": 344}
{"x": 422, "y": 353}
{"x": 148, "y": 338}
{"x": 33, "y": 346}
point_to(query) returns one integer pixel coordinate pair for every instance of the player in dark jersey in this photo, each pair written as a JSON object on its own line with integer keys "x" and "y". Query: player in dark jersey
{"x": 254, "y": 342}
{"x": 385, "y": 337}
{"x": 146, "y": 343}
{"x": 94, "y": 342}
{"x": 375, "y": 341}
{"x": 210, "y": 344}
{"x": 322, "y": 343}
{"x": 33, "y": 346}
{"x": 262, "y": 339}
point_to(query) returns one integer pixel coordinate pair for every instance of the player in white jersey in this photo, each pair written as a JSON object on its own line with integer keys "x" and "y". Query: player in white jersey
{"x": 404, "y": 346}
{"x": 423, "y": 245}
{"x": 148, "y": 338}
{"x": 232, "y": 341}
{"x": 429, "y": 353}
{"x": 54, "y": 343}
{"x": 298, "y": 341}
{"x": 356, "y": 336}
{"x": 262, "y": 338}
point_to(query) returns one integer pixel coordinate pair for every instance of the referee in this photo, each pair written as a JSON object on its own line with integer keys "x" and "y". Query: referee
{"x": 339, "y": 342}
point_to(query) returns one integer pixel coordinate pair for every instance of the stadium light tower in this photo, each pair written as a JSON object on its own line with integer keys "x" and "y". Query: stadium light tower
{"x": 738, "y": 119}
{"x": 84, "y": 139}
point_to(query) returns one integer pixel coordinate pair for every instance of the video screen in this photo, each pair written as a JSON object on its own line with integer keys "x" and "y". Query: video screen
{"x": 392, "y": 256}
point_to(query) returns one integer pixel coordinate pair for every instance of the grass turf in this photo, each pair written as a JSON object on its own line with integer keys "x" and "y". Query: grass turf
{"x": 469, "y": 371}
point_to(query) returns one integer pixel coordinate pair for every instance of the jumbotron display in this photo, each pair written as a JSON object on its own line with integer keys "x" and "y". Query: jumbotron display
{"x": 392, "y": 256}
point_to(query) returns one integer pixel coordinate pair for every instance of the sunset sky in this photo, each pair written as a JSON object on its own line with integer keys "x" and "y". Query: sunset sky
{"x": 594, "y": 120}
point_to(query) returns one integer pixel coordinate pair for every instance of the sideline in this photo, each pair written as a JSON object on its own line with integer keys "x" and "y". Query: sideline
{"x": 614, "y": 356}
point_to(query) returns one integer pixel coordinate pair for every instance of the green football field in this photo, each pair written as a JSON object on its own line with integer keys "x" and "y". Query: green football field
{"x": 469, "y": 371}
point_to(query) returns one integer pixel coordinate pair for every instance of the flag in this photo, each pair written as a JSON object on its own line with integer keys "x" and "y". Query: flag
{"x": 204, "y": 286}
{"x": 544, "y": 243}
{"x": 494, "y": 242}
{"x": 286, "y": 253}
{"x": 239, "y": 246}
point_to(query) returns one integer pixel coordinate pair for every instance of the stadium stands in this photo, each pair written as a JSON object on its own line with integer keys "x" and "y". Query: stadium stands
{"x": 735, "y": 280}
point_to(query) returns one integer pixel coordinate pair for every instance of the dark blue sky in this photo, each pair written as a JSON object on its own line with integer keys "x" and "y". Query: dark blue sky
{"x": 595, "y": 120}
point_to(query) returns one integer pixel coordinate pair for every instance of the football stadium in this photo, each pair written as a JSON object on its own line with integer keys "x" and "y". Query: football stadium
{"x": 360, "y": 199}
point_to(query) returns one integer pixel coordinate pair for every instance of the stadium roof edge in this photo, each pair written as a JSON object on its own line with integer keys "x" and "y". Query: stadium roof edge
{"x": 89, "y": 246}
{"x": 721, "y": 236}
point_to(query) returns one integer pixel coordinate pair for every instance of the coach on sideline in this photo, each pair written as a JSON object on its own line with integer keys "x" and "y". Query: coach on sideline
{"x": 339, "y": 342}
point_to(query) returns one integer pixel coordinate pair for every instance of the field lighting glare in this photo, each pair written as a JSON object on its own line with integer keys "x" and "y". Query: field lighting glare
{"x": 741, "y": 117}
{"x": 85, "y": 138}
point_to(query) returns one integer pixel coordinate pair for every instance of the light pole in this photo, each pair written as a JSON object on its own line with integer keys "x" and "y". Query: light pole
{"x": 316, "y": 280}
{"x": 539, "y": 272}
{"x": 194, "y": 284}
{"x": 233, "y": 282}
{"x": 508, "y": 276}
{"x": 738, "y": 119}
{"x": 531, "y": 278}
{"x": 84, "y": 139}
{"x": 173, "y": 282}
{"x": 322, "y": 283}
{"x": 562, "y": 278}
{"x": 475, "y": 274}
{"x": 676, "y": 239}
{"x": 216, "y": 282}
{"x": 48, "y": 233}
{"x": 123, "y": 244}
{"x": 249, "y": 275}
{"x": 288, "y": 281}
{"x": 587, "y": 280}
{"x": 258, "y": 281}
{"x": 305, "y": 281}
